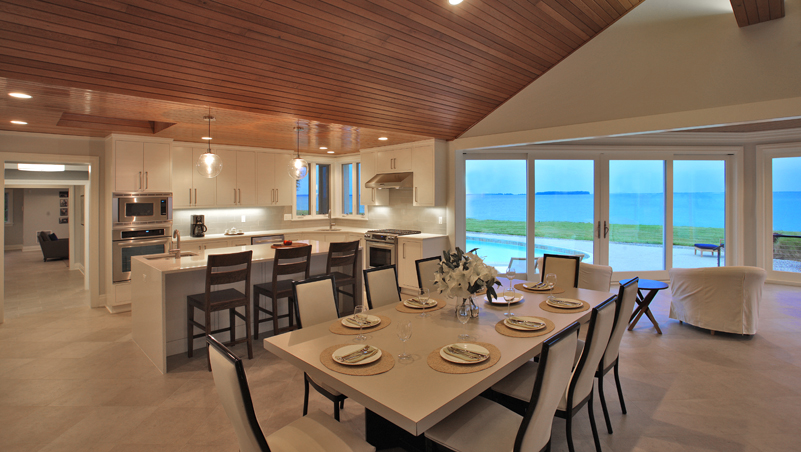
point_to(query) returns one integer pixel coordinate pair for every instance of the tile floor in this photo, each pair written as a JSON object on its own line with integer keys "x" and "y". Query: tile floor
{"x": 72, "y": 380}
{"x": 30, "y": 284}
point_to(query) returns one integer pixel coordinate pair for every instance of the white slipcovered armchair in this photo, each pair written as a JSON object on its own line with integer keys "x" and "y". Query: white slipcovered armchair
{"x": 718, "y": 298}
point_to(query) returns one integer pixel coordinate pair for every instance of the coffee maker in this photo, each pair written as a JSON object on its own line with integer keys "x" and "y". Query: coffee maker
{"x": 197, "y": 228}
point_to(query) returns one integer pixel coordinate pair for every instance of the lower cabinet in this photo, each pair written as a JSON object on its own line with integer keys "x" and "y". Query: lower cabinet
{"x": 203, "y": 245}
{"x": 411, "y": 249}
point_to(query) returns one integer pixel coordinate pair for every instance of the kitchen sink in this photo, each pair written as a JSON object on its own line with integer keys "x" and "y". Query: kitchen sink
{"x": 328, "y": 230}
{"x": 169, "y": 255}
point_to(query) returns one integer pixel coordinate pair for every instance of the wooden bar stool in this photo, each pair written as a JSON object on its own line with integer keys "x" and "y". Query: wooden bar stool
{"x": 343, "y": 254}
{"x": 288, "y": 261}
{"x": 222, "y": 269}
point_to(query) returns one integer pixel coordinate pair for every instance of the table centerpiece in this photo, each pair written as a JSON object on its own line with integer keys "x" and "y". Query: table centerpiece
{"x": 463, "y": 275}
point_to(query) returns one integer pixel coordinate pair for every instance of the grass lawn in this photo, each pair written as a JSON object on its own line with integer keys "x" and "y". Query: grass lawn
{"x": 621, "y": 233}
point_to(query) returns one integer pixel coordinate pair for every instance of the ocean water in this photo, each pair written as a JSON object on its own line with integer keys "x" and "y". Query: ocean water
{"x": 689, "y": 209}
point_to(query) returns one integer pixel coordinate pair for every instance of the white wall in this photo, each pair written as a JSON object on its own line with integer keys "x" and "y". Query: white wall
{"x": 41, "y": 214}
{"x": 667, "y": 64}
{"x": 13, "y": 232}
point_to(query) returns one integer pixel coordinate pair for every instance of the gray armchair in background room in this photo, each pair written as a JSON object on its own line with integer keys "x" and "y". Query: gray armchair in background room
{"x": 53, "y": 249}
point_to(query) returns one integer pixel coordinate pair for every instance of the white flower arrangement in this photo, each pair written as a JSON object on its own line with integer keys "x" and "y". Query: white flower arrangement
{"x": 462, "y": 274}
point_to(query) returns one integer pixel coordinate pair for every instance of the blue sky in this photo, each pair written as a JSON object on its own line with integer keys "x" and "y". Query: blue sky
{"x": 626, "y": 176}
{"x": 786, "y": 172}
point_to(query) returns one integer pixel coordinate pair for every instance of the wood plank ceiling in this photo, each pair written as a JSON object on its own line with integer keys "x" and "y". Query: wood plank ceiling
{"x": 352, "y": 70}
{"x": 750, "y": 12}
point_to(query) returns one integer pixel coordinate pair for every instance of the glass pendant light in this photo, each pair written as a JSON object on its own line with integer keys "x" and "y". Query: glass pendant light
{"x": 298, "y": 168}
{"x": 209, "y": 164}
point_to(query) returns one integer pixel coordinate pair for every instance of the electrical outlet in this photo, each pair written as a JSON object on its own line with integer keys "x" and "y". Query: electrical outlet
{"x": 287, "y": 216}
{"x": 440, "y": 220}
{"x": 243, "y": 218}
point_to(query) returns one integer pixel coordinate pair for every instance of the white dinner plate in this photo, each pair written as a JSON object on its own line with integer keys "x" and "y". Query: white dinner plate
{"x": 561, "y": 306}
{"x": 470, "y": 347}
{"x": 533, "y": 286}
{"x": 500, "y": 300}
{"x": 352, "y": 348}
{"x": 526, "y": 318}
{"x": 431, "y": 304}
{"x": 374, "y": 320}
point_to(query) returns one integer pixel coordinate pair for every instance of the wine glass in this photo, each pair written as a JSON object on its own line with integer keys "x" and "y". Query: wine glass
{"x": 550, "y": 279}
{"x": 357, "y": 311}
{"x": 510, "y": 274}
{"x": 423, "y": 297}
{"x": 463, "y": 313}
{"x": 509, "y": 296}
{"x": 404, "y": 333}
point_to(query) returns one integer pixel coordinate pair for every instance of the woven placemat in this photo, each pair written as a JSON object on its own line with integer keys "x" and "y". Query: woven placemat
{"x": 440, "y": 365}
{"x": 440, "y": 304}
{"x": 338, "y": 328}
{"x": 501, "y": 328}
{"x": 383, "y": 364}
{"x": 556, "y": 289}
{"x": 545, "y": 307}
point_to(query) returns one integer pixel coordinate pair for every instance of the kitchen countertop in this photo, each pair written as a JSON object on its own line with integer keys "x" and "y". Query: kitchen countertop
{"x": 295, "y": 231}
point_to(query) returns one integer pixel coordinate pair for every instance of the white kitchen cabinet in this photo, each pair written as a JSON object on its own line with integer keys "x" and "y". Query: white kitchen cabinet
{"x": 394, "y": 160}
{"x": 236, "y": 184}
{"x": 203, "y": 245}
{"x": 141, "y": 166}
{"x": 412, "y": 248}
{"x": 371, "y": 196}
{"x": 240, "y": 241}
{"x": 189, "y": 188}
{"x": 429, "y": 179}
{"x": 274, "y": 186}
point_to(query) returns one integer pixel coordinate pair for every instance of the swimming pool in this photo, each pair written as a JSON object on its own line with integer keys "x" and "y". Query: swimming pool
{"x": 497, "y": 251}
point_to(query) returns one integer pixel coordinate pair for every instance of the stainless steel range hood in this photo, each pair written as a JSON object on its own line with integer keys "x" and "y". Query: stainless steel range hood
{"x": 390, "y": 180}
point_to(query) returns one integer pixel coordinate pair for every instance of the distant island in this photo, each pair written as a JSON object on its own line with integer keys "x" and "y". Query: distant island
{"x": 537, "y": 193}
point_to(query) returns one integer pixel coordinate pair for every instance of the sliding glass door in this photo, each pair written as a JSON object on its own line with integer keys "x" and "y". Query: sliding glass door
{"x": 699, "y": 213}
{"x": 786, "y": 231}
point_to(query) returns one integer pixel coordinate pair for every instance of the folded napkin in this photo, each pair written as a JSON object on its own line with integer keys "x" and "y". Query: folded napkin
{"x": 358, "y": 355}
{"x": 465, "y": 355}
{"x": 361, "y": 321}
{"x": 538, "y": 286}
{"x": 529, "y": 325}
{"x": 417, "y": 302}
{"x": 566, "y": 303}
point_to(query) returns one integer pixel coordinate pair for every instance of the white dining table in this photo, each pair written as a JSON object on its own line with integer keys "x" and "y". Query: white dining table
{"x": 413, "y": 396}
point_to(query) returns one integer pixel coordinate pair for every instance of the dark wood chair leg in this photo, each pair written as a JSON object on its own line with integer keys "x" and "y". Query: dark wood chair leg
{"x": 208, "y": 333}
{"x": 275, "y": 316}
{"x": 336, "y": 411}
{"x": 190, "y": 330}
{"x": 305, "y": 394}
{"x": 603, "y": 403}
{"x": 592, "y": 424}
{"x": 232, "y": 325}
{"x": 569, "y": 431}
{"x": 247, "y": 331}
{"x": 256, "y": 314}
{"x": 619, "y": 388}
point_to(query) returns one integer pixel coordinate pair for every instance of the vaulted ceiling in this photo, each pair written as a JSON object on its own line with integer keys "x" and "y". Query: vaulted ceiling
{"x": 349, "y": 70}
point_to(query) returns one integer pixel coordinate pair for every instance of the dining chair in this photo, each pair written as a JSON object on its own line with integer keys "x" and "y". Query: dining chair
{"x": 287, "y": 261}
{"x": 425, "y": 272}
{"x": 566, "y": 268}
{"x": 381, "y": 285}
{"x": 483, "y": 425}
{"x": 343, "y": 254}
{"x": 595, "y": 277}
{"x": 222, "y": 269}
{"x": 316, "y": 302}
{"x": 513, "y": 391}
{"x": 317, "y": 431}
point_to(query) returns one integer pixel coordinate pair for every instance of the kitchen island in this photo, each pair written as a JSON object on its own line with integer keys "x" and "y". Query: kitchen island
{"x": 159, "y": 288}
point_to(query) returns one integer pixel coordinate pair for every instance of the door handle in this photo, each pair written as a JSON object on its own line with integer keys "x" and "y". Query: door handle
{"x": 235, "y": 196}
{"x": 276, "y": 196}
{"x": 599, "y": 229}
{"x": 190, "y": 196}
{"x": 140, "y": 180}
{"x": 272, "y": 195}
{"x": 239, "y": 191}
{"x": 415, "y": 194}
{"x": 196, "y": 196}
{"x": 147, "y": 181}
{"x": 606, "y": 229}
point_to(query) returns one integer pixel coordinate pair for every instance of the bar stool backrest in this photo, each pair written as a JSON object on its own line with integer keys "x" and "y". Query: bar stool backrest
{"x": 342, "y": 254}
{"x": 228, "y": 269}
{"x": 291, "y": 261}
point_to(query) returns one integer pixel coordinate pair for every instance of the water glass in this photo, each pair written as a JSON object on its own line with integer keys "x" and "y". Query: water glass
{"x": 463, "y": 313}
{"x": 358, "y": 310}
{"x": 509, "y": 296}
{"x": 510, "y": 275}
{"x": 404, "y": 333}
{"x": 423, "y": 297}
{"x": 550, "y": 279}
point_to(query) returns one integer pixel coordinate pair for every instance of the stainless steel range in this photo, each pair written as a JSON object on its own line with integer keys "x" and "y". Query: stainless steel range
{"x": 382, "y": 246}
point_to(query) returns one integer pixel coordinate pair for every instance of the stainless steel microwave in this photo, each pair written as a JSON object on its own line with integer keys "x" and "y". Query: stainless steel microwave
{"x": 141, "y": 208}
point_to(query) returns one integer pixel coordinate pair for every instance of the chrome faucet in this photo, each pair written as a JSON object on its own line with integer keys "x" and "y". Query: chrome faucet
{"x": 330, "y": 223}
{"x": 177, "y": 251}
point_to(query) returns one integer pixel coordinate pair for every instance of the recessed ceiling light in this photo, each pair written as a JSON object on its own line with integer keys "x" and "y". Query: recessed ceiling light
{"x": 330, "y": 152}
{"x": 205, "y": 138}
{"x": 323, "y": 148}
{"x": 454, "y": 2}
{"x": 383, "y": 138}
{"x": 20, "y": 95}
{"x": 40, "y": 167}
{"x": 22, "y": 123}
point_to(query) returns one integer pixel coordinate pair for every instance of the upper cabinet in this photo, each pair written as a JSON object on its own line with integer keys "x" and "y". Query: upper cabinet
{"x": 189, "y": 188}
{"x": 236, "y": 184}
{"x": 394, "y": 160}
{"x": 274, "y": 185}
{"x": 426, "y": 160}
{"x": 371, "y": 196}
{"x": 141, "y": 166}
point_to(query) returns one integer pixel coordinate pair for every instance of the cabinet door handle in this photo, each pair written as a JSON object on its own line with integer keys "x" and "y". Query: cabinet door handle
{"x": 190, "y": 196}
{"x": 235, "y": 196}
{"x": 147, "y": 183}
{"x": 415, "y": 194}
{"x": 140, "y": 180}
{"x": 373, "y": 194}
{"x": 239, "y": 191}
{"x": 404, "y": 251}
{"x": 196, "y": 196}
{"x": 275, "y": 195}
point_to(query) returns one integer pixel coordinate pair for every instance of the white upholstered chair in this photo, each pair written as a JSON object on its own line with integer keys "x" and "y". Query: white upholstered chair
{"x": 316, "y": 302}
{"x": 316, "y": 432}
{"x": 381, "y": 285}
{"x": 718, "y": 298}
{"x": 425, "y": 273}
{"x": 483, "y": 425}
{"x": 514, "y": 390}
{"x": 566, "y": 268}
{"x": 595, "y": 277}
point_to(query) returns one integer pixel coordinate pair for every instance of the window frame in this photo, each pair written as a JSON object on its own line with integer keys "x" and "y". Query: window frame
{"x": 335, "y": 189}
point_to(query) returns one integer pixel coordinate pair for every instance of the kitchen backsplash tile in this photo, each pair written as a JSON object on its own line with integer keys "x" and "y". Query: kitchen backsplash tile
{"x": 400, "y": 214}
